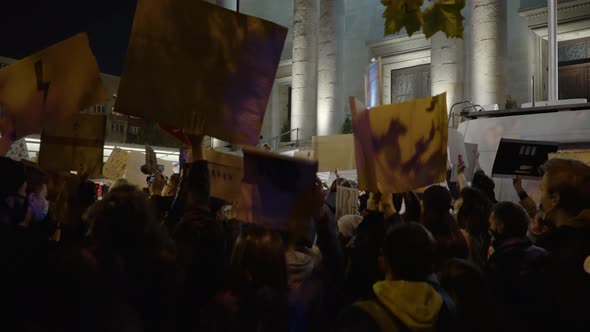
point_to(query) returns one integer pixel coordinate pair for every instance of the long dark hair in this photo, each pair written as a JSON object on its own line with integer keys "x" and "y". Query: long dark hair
{"x": 473, "y": 216}
{"x": 258, "y": 259}
{"x": 438, "y": 220}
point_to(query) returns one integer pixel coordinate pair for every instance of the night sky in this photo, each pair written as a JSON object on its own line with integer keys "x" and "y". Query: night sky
{"x": 28, "y": 26}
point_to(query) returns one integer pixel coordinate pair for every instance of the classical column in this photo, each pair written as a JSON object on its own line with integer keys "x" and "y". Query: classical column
{"x": 488, "y": 82}
{"x": 304, "y": 77}
{"x": 447, "y": 68}
{"x": 328, "y": 117}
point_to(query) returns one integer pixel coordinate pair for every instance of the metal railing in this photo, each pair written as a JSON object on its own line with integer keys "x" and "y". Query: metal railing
{"x": 275, "y": 142}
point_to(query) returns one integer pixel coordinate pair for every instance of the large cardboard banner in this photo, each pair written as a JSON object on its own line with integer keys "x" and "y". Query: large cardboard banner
{"x": 116, "y": 165}
{"x": 225, "y": 175}
{"x": 277, "y": 191}
{"x": 200, "y": 67}
{"x": 334, "y": 152}
{"x": 347, "y": 201}
{"x": 401, "y": 147}
{"x": 40, "y": 90}
{"x": 76, "y": 144}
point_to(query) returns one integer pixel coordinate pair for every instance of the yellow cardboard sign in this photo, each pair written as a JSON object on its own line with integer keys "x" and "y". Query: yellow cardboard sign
{"x": 40, "y": 90}
{"x": 76, "y": 144}
{"x": 200, "y": 67}
{"x": 401, "y": 147}
{"x": 334, "y": 152}
{"x": 225, "y": 175}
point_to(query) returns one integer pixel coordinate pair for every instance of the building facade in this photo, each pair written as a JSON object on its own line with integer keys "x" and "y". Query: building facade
{"x": 503, "y": 51}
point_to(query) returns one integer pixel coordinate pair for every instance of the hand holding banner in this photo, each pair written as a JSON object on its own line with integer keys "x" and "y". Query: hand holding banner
{"x": 401, "y": 147}
{"x": 40, "y": 90}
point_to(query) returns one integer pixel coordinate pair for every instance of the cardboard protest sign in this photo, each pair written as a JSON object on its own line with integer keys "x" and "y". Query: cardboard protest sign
{"x": 40, "y": 90}
{"x": 472, "y": 155}
{"x": 347, "y": 201}
{"x": 277, "y": 191}
{"x": 76, "y": 144}
{"x": 134, "y": 175}
{"x": 305, "y": 154}
{"x": 374, "y": 84}
{"x": 334, "y": 152}
{"x": 225, "y": 175}
{"x": 401, "y": 147}
{"x": 200, "y": 67}
{"x": 151, "y": 161}
{"x": 116, "y": 165}
{"x": 521, "y": 158}
{"x": 581, "y": 155}
{"x": 18, "y": 151}
{"x": 457, "y": 152}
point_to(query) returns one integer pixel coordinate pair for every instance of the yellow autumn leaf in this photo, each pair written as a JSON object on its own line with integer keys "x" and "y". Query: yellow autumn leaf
{"x": 400, "y": 14}
{"x": 445, "y": 16}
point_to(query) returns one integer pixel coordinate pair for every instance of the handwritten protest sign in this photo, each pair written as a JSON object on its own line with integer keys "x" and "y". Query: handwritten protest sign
{"x": 18, "y": 150}
{"x": 347, "y": 201}
{"x": 400, "y": 147}
{"x": 209, "y": 68}
{"x": 334, "y": 152}
{"x": 40, "y": 90}
{"x": 225, "y": 175}
{"x": 76, "y": 144}
{"x": 116, "y": 165}
{"x": 277, "y": 191}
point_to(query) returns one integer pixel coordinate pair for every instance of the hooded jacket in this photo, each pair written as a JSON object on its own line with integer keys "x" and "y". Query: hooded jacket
{"x": 398, "y": 306}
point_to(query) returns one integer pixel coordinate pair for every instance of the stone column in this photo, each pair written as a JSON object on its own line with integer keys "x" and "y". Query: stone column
{"x": 304, "y": 76}
{"x": 328, "y": 117}
{"x": 447, "y": 68}
{"x": 488, "y": 23}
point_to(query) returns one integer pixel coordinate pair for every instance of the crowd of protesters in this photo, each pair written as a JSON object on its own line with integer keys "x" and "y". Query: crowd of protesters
{"x": 171, "y": 259}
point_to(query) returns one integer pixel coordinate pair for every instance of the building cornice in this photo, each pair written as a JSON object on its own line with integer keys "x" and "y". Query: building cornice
{"x": 570, "y": 11}
{"x": 399, "y": 45}
{"x": 285, "y": 69}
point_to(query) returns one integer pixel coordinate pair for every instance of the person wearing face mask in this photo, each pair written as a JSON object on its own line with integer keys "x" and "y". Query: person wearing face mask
{"x": 516, "y": 270}
{"x": 565, "y": 202}
{"x": 25, "y": 246}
